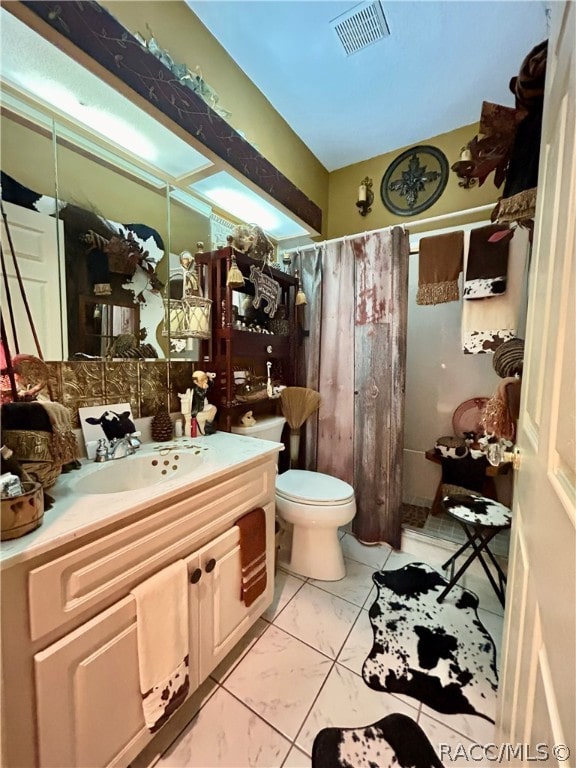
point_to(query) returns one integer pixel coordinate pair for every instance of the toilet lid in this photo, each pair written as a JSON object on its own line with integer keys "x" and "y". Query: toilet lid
{"x": 313, "y": 487}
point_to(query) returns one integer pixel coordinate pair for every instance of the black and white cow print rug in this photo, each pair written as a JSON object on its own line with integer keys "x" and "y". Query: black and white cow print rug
{"x": 396, "y": 741}
{"x": 437, "y": 653}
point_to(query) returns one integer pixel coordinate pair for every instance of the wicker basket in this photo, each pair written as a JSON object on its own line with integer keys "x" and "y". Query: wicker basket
{"x": 22, "y": 514}
{"x": 33, "y": 450}
{"x": 187, "y": 318}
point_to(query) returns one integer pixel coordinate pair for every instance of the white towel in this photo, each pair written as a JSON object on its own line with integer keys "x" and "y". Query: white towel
{"x": 487, "y": 323}
{"x": 163, "y": 642}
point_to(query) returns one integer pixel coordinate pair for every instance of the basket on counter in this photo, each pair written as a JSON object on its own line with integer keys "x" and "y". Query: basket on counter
{"x": 24, "y": 513}
{"x": 33, "y": 449}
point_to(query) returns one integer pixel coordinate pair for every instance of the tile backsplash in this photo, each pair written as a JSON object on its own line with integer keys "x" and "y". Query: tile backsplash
{"x": 145, "y": 384}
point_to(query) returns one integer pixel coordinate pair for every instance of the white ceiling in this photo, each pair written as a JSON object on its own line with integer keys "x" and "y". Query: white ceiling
{"x": 430, "y": 76}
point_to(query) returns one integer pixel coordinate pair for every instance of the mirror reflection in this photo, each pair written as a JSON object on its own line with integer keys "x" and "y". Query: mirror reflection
{"x": 97, "y": 267}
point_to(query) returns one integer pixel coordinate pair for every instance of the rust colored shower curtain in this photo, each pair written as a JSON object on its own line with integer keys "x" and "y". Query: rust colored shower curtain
{"x": 355, "y": 356}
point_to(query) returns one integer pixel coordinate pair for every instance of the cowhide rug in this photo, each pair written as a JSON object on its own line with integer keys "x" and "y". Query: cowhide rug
{"x": 438, "y": 653}
{"x": 396, "y": 741}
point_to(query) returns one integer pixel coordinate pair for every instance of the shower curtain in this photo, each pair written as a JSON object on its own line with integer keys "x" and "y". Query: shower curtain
{"x": 355, "y": 356}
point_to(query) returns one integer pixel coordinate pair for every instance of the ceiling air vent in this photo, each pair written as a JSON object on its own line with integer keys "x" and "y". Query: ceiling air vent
{"x": 361, "y": 26}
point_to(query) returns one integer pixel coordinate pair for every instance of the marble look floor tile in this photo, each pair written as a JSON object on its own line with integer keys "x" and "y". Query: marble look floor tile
{"x": 240, "y": 649}
{"x": 226, "y": 734}
{"x": 356, "y": 585}
{"x": 345, "y": 701}
{"x": 472, "y": 727}
{"x": 374, "y": 556}
{"x": 297, "y": 759}
{"x": 494, "y": 626}
{"x": 285, "y": 587}
{"x": 358, "y": 644}
{"x": 279, "y": 679}
{"x": 179, "y": 722}
{"x": 479, "y": 584}
{"x": 451, "y": 747}
{"x": 399, "y": 560}
{"x": 424, "y": 549}
{"x": 318, "y": 618}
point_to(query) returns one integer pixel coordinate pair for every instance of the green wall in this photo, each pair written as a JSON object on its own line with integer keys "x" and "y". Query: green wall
{"x": 344, "y": 217}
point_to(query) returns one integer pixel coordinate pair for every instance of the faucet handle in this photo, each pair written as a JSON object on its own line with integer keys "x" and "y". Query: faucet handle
{"x": 101, "y": 450}
{"x": 134, "y": 440}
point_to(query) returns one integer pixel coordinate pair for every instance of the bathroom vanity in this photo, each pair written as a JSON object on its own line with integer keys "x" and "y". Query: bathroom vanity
{"x": 70, "y": 679}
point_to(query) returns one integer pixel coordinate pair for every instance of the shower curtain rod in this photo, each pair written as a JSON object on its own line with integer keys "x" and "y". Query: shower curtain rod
{"x": 418, "y": 223}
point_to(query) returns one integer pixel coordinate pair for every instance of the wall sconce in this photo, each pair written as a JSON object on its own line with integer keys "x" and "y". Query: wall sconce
{"x": 365, "y": 197}
{"x": 464, "y": 169}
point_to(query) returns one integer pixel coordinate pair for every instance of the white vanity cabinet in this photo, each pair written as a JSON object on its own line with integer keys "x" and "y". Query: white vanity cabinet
{"x": 79, "y": 700}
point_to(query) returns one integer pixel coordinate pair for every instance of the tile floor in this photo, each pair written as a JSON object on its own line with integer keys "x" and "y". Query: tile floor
{"x": 442, "y": 526}
{"x": 299, "y": 670}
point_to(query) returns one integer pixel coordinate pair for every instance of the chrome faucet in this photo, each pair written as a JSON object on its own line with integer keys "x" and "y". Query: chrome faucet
{"x": 117, "y": 448}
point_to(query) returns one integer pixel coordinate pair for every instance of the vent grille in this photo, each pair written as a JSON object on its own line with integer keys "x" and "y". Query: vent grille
{"x": 360, "y": 27}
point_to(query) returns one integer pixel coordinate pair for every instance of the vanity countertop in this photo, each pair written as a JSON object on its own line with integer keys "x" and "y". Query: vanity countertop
{"x": 75, "y": 514}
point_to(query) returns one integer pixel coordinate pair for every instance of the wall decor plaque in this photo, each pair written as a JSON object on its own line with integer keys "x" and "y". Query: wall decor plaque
{"x": 266, "y": 289}
{"x": 414, "y": 180}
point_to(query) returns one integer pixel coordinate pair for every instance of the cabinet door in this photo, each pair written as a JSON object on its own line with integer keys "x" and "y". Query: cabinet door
{"x": 224, "y": 618}
{"x": 88, "y": 690}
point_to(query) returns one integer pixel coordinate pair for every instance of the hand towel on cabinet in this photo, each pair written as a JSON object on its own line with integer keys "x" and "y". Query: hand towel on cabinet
{"x": 253, "y": 555}
{"x": 163, "y": 642}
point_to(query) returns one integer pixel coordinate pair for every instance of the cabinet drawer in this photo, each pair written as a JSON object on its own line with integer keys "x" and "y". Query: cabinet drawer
{"x": 246, "y": 344}
{"x": 97, "y": 574}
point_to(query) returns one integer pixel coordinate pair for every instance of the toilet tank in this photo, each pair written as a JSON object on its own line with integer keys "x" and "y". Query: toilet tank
{"x": 266, "y": 428}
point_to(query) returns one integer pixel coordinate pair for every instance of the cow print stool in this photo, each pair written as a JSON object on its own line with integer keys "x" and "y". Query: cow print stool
{"x": 481, "y": 519}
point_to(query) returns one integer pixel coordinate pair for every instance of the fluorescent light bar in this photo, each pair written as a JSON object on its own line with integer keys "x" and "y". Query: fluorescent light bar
{"x": 191, "y": 202}
{"x": 229, "y": 194}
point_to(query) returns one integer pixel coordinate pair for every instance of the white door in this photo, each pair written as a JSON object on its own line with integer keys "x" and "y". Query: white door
{"x": 537, "y": 693}
{"x": 35, "y": 239}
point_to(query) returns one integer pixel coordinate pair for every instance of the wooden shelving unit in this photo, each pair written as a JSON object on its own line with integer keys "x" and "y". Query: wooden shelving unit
{"x": 232, "y": 349}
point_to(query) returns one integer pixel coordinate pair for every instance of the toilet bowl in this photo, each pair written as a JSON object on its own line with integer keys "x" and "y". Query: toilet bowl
{"x": 314, "y": 504}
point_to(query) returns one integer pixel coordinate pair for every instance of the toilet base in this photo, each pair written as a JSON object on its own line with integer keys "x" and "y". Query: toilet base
{"x": 317, "y": 554}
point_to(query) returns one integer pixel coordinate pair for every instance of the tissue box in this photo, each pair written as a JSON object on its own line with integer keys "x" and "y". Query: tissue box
{"x": 10, "y": 485}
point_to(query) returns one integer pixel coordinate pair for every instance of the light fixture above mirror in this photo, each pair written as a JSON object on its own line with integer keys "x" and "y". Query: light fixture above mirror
{"x": 231, "y": 195}
{"x": 33, "y": 66}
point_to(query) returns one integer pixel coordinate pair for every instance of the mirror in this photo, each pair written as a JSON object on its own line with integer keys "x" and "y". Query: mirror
{"x": 96, "y": 249}
{"x": 101, "y": 294}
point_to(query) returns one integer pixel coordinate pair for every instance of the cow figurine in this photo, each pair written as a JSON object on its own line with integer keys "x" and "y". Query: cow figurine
{"x": 114, "y": 425}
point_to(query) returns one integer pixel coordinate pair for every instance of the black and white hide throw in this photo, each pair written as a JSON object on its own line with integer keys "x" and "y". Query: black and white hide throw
{"x": 396, "y": 741}
{"x": 438, "y": 653}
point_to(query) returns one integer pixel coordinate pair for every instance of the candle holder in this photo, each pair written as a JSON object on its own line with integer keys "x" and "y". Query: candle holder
{"x": 365, "y": 197}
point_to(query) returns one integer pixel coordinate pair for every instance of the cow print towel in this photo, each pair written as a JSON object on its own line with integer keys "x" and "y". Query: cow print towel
{"x": 438, "y": 653}
{"x": 396, "y": 741}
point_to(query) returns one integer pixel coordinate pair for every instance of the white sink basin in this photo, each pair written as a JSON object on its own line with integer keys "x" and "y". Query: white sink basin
{"x": 138, "y": 471}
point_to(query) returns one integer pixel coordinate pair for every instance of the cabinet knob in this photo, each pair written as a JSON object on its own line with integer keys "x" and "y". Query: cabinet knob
{"x": 269, "y": 349}
{"x": 210, "y": 565}
{"x": 195, "y": 576}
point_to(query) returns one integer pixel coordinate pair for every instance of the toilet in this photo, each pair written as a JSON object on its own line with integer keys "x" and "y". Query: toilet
{"x": 315, "y": 504}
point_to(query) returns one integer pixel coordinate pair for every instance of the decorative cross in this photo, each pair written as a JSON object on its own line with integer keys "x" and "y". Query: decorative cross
{"x": 413, "y": 180}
